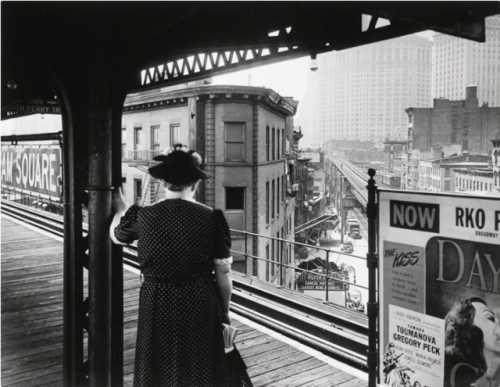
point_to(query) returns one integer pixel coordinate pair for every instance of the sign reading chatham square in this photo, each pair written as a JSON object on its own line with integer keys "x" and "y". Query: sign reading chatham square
{"x": 32, "y": 168}
{"x": 439, "y": 289}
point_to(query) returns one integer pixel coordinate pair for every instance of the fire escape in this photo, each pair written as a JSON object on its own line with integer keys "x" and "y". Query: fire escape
{"x": 151, "y": 187}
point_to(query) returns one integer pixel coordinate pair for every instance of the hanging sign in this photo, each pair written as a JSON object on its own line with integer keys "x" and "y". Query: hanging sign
{"x": 28, "y": 106}
{"x": 439, "y": 287}
{"x": 310, "y": 281}
{"x": 35, "y": 169}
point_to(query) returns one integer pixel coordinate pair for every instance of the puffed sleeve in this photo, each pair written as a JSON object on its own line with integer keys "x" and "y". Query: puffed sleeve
{"x": 126, "y": 231}
{"x": 222, "y": 238}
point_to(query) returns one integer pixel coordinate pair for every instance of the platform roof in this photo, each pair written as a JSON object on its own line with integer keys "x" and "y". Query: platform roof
{"x": 40, "y": 37}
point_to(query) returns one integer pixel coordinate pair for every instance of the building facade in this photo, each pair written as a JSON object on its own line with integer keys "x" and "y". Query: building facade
{"x": 361, "y": 93}
{"x": 449, "y": 127}
{"x": 459, "y": 63}
{"x": 240, "y": 133}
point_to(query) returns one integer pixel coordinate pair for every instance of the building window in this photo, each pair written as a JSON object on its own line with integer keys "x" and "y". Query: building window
{"x": 274, "y": 144}
{"x": 137, "y": 138}
{"x": 268, "y": 143}
{"x": 273, "y": 190}
{"x": 175, "y": 131}
{"x": 124, "y": 142}
{"x": 268, "y": 207}
{"x": 138, "y": 191}
{"x": 137, "y": 143}
{"x": 255, "y": 267}
{"x": 283, "y": 147}
{"x": 278, "y": 197}
{"x": 234, "y": 135}
{"x": 465, "y": 144}
{"x": 155, "y": 139}
{"x": 278, "y": 145}
{"x": 447, "y": 185}
{"x": 235, "y": 209}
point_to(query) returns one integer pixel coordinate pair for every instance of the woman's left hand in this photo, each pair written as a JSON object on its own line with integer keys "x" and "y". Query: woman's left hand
{"x": 226, "y": 319}
{"x": 119, "y": 202}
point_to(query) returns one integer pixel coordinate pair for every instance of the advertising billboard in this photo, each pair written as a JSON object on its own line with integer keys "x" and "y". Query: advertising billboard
{"x": 32, "y": 168}
{"x": 439, "y": 288}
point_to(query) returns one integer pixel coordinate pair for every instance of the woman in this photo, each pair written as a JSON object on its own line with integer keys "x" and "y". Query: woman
{"x": 464, "y": 344}
{"x": 182, "y": 306}
{"x": 489, "y": 324}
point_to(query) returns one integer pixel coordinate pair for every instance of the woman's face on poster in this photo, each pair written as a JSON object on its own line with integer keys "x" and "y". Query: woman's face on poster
{"x": 486, "y": 320}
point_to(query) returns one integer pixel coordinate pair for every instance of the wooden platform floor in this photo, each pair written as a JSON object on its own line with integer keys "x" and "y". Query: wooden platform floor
{"x": 32, "y": 301}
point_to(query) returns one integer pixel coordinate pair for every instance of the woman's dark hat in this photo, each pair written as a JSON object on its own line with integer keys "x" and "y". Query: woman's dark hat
{"x": 178, "y": 167}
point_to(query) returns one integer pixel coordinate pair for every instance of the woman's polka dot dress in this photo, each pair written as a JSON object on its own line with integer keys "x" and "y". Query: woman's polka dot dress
{"x": 179, "y": 333}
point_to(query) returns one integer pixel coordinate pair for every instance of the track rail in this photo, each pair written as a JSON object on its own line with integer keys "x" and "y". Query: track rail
{"x": 336, "y": 331}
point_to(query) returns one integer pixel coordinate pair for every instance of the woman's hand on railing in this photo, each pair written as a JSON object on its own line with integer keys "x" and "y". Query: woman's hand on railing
{"x": 119, "y": 202}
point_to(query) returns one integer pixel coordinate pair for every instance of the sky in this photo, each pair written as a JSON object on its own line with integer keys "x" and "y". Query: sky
{"x": 289, "y": 78}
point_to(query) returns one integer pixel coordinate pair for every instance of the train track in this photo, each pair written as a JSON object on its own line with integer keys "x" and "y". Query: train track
{"x": 336, "y": 331}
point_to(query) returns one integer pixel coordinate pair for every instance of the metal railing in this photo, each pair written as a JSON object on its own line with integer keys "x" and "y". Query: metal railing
{"x": 35, "y": 201}
{"x": 140, "y": 157}
{"x": 334, "y": 330}
{"x": 329, "y": 278}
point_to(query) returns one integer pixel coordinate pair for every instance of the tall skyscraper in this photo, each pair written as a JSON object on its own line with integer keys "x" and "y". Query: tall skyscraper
{"x": 362, "y": 93}
{"x": 459, "y": 63}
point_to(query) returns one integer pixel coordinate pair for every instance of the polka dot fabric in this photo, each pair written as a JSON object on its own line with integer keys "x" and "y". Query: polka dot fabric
{"x": 179, "y": 333}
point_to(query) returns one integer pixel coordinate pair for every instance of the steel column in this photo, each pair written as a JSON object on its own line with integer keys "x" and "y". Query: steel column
{"x": 371, "y": 262}
{"x": 116, "y": 250}
{"x": 74, "y": 122}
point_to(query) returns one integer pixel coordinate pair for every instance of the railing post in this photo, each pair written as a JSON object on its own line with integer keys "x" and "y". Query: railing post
{"x": 371, "y": 262}
{"x": 327, "y": 274}
{"x": 246, "y": 253}
{"x": 281, "y": 261}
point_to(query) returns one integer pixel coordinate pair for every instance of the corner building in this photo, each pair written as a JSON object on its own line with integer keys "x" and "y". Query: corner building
{"x": 241, "y": 134}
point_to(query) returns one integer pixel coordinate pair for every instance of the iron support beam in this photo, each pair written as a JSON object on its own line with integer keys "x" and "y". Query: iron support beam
{"x": 372, "y": 280}
{"x": 14, "y": 139}
{"x": 117, "y": 250}
{"x": 74, "y": 119}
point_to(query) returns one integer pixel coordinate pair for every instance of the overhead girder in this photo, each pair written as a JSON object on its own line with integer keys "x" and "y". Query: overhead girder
{"x": 144, "y": 36}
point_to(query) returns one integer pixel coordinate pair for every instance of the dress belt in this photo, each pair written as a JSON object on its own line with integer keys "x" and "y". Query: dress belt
{"x": 149, "y": 279}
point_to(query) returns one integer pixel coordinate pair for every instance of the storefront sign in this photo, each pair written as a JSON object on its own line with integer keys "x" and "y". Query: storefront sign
{"x": 440, "y": 291}
{"x": 309, "y": 281}
{"x": 36, "y": 169}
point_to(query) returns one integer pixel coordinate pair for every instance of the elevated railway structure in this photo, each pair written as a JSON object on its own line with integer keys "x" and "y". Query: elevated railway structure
{"x": 357, "y": 179}
{"x": 81, "y": 59}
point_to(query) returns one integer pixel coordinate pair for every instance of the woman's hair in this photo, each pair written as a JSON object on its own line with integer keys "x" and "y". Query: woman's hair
{"x": 178, "y": 187}
{"x": 464, "y": 341}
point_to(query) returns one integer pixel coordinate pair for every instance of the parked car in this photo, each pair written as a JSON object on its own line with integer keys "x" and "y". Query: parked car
{"x": 347, "y": 247}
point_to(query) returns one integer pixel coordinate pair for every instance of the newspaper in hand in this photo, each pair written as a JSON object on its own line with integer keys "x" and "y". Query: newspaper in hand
{"x": 229, "y": 334}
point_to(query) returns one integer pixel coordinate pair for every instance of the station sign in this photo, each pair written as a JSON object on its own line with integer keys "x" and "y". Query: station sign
{"x": 439, "y": 260}
{"x": 309, "y": 281}
{"x": 32, "y": 168}
{"x": 29, "y": 106}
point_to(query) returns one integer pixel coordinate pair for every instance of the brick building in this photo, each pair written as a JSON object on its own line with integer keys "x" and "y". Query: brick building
{"x": 463, "y": 125}
{"x": 241, "y": 133}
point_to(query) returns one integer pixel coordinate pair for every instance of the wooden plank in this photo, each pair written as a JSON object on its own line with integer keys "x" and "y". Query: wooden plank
{"x": 274, "y": 376}
{"x": 32, "y": 325}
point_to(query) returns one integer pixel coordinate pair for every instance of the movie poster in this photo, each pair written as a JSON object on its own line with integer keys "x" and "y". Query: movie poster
{"x": 439, "y": 290}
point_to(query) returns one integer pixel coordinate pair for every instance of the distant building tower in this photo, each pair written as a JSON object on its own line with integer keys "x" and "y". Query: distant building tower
{"x": 459, "y": 63}
{"x": 362, "y": 93}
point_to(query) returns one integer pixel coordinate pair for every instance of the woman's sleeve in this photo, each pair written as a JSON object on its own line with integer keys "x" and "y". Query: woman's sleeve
{"x": 222, "y": 254}
{"x": 126, "y": 231}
